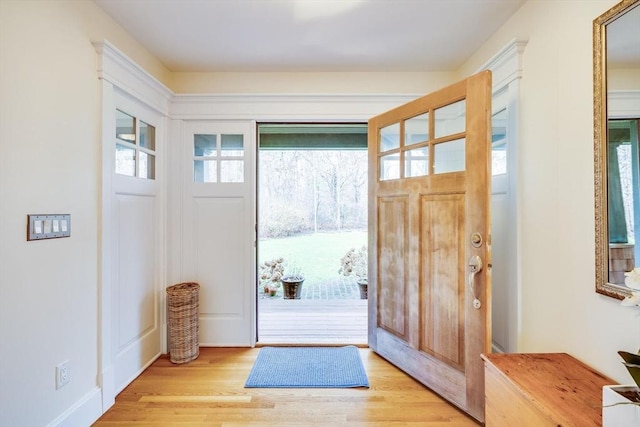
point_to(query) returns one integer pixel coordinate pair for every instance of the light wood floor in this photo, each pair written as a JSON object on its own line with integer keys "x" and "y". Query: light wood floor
{"x": 210, "y": 392}
{"x": 309, "y": 321}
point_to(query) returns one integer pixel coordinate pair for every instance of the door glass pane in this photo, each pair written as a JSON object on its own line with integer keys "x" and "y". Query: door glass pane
{"x": 389, "y": 167}
{"x": 416, "y": 129}
{"x": 231, "y": 171}
{"x": 390, "y": 137}
{"x": 416, "y": 162}
{"x": 205, "y": 171}
{"x": 232, "y": 145}
{"x": 499, "y": 133}
{"x": 204, "y": 145}
{"x": 449, "y": 156}
{"x": 147, "y": 166}
{"x": 125, "y": 160}
{"x": 147, "y": 136}
{"x": 450, "y": 119}
{"x": 499, "y": 143}
{"x": 125, "y": 127}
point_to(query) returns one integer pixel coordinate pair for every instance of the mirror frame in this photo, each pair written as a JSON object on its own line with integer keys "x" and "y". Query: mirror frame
{"x": 600, "y": 149}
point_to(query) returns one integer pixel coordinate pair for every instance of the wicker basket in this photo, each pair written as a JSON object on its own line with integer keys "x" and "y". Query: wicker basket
{"x": 182, "y": 304}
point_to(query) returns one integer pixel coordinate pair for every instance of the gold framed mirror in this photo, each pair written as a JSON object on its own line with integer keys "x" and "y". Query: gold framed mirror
{"x": 616, "y": 40}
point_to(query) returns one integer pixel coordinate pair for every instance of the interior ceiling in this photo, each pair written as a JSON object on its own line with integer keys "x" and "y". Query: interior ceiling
{"x": 311, "y": 35}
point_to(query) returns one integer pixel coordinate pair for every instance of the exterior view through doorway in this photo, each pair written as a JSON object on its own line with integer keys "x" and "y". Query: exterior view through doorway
{"x": 312, "y": 224}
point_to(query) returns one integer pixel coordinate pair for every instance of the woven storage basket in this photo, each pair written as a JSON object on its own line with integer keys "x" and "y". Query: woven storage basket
{"x": 182, "y": 303}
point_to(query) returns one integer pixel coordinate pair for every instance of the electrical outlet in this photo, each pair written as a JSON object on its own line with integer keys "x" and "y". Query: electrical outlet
{"x": 63, "y": 374}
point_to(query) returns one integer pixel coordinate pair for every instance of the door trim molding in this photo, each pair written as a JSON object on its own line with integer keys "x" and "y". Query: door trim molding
{"x": 506, "y": 65}
{"x": 117, "y": 73}
{"x": 507, "y": 69}
{"x": 119, "y": 70}
{"x": 285, "y": 107}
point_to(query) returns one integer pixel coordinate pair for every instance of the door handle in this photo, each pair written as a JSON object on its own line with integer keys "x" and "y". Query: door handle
{"x": 475, "y": 266}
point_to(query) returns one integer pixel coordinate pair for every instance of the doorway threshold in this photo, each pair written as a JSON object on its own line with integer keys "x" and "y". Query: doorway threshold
{"x": 312, "y": 322}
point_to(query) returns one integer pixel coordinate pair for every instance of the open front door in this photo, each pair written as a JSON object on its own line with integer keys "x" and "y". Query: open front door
{"x": 429, "y": 228}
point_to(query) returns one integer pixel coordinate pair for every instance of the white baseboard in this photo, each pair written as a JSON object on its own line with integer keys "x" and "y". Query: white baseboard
{"x": 83, "y": 413}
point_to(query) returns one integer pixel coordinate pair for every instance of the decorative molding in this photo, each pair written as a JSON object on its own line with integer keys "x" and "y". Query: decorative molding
{"x": 623, "y": 104}
{"x": 289, "y": 107}
{"x": 506, "y": 65}
{"x": 118, "y": 69}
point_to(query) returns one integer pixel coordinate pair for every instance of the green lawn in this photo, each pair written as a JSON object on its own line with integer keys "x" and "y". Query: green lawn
{"x": 317, "y": 255}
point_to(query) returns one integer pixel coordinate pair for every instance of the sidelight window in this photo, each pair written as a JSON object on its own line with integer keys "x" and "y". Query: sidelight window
{"x": 135, "y": 147}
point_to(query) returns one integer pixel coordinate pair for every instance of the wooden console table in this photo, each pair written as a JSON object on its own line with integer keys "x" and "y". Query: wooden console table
{"x": 543, "y": 389}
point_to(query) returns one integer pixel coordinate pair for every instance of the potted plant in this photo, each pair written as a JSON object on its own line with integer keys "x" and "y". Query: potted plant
{"x": 292, "y": 281}
{"x": 355, "y": 262}
{"x": 621, "y": 403}
{"x": 271, "y": 272}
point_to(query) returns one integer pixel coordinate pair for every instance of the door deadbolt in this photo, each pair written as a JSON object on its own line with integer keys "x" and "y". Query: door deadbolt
{"x": 476, "y": 240}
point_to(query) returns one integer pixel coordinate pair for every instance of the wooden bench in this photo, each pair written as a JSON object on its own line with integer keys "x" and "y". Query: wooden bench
{"x": 541, "y": 389}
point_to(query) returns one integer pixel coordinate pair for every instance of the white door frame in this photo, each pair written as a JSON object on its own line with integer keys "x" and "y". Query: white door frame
{"x": 507, "y": 70}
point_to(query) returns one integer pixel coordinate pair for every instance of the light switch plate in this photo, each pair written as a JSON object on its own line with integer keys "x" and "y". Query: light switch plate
{"x": 49, "y": 226}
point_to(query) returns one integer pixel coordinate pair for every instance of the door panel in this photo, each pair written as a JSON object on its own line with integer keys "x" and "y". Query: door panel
{"x": 393, "y": 314}
{"x": 218, "y": 248}
{"x": 428, "y": 197}
{"x": 221, "y": 273}
{"x": 136, "y": 234}
{"x": 136, "y": 332}
{"x": 441, "y": 284}
{"x": 136, "y": 296}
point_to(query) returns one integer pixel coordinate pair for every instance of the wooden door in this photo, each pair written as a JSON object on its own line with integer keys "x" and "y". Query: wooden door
{"x": 429, "y": 219}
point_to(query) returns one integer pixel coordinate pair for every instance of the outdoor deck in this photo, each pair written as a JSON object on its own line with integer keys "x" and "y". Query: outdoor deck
{"x": 312, "y": 321}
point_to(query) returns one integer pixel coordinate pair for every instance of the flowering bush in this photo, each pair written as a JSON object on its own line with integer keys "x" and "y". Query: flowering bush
{"x": 632, "y": 281}
{"x": 271, "y": 273}
{"x": 355, "y": 262}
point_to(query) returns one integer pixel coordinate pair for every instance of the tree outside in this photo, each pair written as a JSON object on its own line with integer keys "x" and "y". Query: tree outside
{"x": 312, "y": 210}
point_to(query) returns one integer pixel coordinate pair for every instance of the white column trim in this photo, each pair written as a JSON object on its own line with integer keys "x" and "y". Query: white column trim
{"x": 623, "y": 103}
{"x": 117, "y": 72}
{"x": 118, "y": 69}
{"x": 507, "y": 69}
{"x": 506, "y": 65}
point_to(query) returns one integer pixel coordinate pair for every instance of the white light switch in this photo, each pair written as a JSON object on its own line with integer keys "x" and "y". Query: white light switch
{"x": 41, "y": 227}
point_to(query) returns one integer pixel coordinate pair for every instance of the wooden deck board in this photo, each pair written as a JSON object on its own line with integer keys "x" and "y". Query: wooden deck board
{"x": 311, "y": 321}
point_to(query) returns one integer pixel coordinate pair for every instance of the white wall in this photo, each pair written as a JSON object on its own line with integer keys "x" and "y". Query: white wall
{"x": 49, "y": 147}
{"x": 560, "y": 311}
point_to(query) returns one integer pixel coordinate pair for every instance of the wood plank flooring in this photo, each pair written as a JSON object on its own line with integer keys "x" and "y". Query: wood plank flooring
{"x": 310, "y": 321}
{"x": 210, "y": 392}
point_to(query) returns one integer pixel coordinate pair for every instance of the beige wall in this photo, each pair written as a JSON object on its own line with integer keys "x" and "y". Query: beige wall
{"x": 310, "y": 83}
{"x": 49, "y": 163}
{"x": 559, "y": 309}
{"x": 623, "y": 79}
